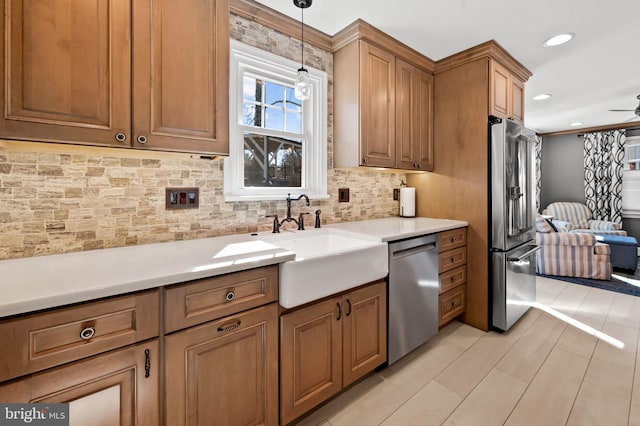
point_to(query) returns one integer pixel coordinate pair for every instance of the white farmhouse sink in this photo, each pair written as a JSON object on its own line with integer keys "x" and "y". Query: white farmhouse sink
{"x": 328, "y": 261}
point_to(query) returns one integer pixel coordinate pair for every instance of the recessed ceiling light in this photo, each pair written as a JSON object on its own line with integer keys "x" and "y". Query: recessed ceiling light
{"x": 557, "y": 40}
{"x": 577, "y": 123}
{"x": 542, "y": 97}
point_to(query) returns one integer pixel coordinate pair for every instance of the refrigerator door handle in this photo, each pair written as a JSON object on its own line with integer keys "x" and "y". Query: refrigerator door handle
{"x": 525, "y": 255}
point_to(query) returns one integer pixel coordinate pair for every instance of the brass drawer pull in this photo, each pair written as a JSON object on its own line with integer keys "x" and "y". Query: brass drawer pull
{"x": 147, "y": 363}
{"x": 87, "y": 333}
{"x": 230, "y": 296}
{"x": 230, "y": 327}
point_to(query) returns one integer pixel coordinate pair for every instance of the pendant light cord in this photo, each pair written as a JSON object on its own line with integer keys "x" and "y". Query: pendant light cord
{"x": 302, "y": 47}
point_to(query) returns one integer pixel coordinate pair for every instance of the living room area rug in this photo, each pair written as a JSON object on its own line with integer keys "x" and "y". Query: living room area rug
{"x": 622, "y": 281}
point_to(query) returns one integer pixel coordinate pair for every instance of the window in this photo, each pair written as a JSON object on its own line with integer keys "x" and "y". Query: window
{"x": 277, "y": 143}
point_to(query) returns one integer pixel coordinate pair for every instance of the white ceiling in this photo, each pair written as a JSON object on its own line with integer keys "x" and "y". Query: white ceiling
{"x": 596, "y": 71}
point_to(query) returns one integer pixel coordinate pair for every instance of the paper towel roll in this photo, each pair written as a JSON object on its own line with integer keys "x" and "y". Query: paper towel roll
{"x": 407, "y": 202}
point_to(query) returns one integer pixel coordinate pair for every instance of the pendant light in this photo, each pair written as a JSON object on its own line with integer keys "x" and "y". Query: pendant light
{"x": 302, "y": 84}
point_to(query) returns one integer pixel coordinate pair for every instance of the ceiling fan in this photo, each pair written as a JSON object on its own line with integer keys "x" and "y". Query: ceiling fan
{"x": 635, "y": 111}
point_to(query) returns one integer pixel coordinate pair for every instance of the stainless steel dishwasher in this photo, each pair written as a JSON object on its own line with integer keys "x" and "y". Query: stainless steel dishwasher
{"x": 413, "y": 294}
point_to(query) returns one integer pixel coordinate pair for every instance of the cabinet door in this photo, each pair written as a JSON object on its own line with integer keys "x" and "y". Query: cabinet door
{"x": 65, "y": 71}
{"x": 364, "y": 331}
{"x": 405, "y": 136}
{"x": 311, "y": 357}
{"x": 377, "y": 107}
{"x": 499, "y": 85}
{"x": 414, "y": 117}
{"x": 517, "y": 100}
{"x": 423, "y": 120}
{"x": 224, "y": 372}
{"x": 181, "y": 75}
{"x": 110, "y": 389}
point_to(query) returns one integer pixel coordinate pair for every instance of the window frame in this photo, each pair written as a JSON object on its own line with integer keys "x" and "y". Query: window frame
{"x": 259, "y": 63}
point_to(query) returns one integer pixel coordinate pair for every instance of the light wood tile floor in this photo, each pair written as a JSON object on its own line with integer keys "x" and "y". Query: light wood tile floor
{"x": 544, "y": 371}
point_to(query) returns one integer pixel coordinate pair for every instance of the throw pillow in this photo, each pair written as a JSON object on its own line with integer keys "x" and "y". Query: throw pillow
{"x": 562, "y": 226}
{"x": 542, "y": 225}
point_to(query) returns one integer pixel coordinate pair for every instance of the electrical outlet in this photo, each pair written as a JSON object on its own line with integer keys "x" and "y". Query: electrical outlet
{"x": 396, "y": 194}
{"x": 182, "y": 198}
{"x": 343, "y": 195}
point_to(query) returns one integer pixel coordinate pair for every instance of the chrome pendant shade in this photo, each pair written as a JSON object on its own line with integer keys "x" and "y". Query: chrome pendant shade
{"x": 302, "y": 84}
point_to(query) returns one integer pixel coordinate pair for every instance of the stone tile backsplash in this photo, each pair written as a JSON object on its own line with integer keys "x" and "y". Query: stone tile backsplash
{"x": 61, "y": 202}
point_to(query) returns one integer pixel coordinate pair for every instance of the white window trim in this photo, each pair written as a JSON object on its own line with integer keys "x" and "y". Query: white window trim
{"x": 244, "y": 58}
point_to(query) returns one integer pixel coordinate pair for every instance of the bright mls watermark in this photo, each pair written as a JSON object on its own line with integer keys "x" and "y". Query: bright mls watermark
{"x": 34, "y": 414}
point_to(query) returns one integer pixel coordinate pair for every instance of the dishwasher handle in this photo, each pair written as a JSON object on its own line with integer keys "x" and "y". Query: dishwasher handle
{"x": 413, "y": 250}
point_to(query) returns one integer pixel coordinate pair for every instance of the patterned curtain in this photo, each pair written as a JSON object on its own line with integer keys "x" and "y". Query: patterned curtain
{"x": 538, "y": 142}
{"x": 603, "y": 163}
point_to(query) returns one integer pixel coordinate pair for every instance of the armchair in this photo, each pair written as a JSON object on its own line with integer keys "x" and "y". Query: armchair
{"x": 577, "y": 218}
{"x": 571, "y": 254}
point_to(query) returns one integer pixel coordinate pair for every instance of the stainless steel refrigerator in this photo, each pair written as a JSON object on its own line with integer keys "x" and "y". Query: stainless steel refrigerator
{"x": 512, "y": 218}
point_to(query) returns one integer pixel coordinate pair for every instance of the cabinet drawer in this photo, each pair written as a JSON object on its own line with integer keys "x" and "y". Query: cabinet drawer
{"x": 453, "y": 238}
{"x": 452, "y": 259}
{"x": 38, "y": 341}
{"x": 452, "y": 304}
{"x": 453, "y": 278}
{"x": 207, "y": 299}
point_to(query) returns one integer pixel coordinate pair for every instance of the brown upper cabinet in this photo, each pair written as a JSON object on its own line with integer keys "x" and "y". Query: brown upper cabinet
{"x": 383, "y": 101}
{"x": 506, "y": 98}
{"x": 148, "y": 74}
{"x": 414, "y": 117}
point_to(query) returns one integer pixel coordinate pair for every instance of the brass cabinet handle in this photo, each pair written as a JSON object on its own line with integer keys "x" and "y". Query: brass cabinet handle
{"x": 147, "y": 363}
{"x": 229, "y": 327}
{"x": 87, "y": 333}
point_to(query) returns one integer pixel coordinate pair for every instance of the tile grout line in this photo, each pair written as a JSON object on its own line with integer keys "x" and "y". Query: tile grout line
{"x": 464, "y": 398}
{"x": 635, "y": 363}
{"x": 534, "y": 376}
{"x": 418, "y": 391}
{"x": 547, "y": 357}
{"x": 573, "y": 404}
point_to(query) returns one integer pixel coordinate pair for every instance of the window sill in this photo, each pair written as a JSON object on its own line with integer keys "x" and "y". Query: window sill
{"x": 279, "y": 197}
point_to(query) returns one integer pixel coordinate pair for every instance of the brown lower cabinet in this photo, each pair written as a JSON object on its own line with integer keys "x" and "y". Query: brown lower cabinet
{"x": 114, "y": 388}
{"x": 224, "y": 372}
{"x": 326, "y": 346}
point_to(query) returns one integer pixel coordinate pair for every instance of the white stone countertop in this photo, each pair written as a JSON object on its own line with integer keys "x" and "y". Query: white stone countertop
{"x": 399, "y": 228}
{"x": 43, "y": 282}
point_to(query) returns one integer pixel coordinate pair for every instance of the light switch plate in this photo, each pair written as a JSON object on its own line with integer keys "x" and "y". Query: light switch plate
{"x": 182, "y": 198}
{"x": 343, "y": 195}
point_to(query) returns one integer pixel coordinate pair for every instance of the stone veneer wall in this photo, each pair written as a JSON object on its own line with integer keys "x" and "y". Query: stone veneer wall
{"x": 57, "y": 199}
